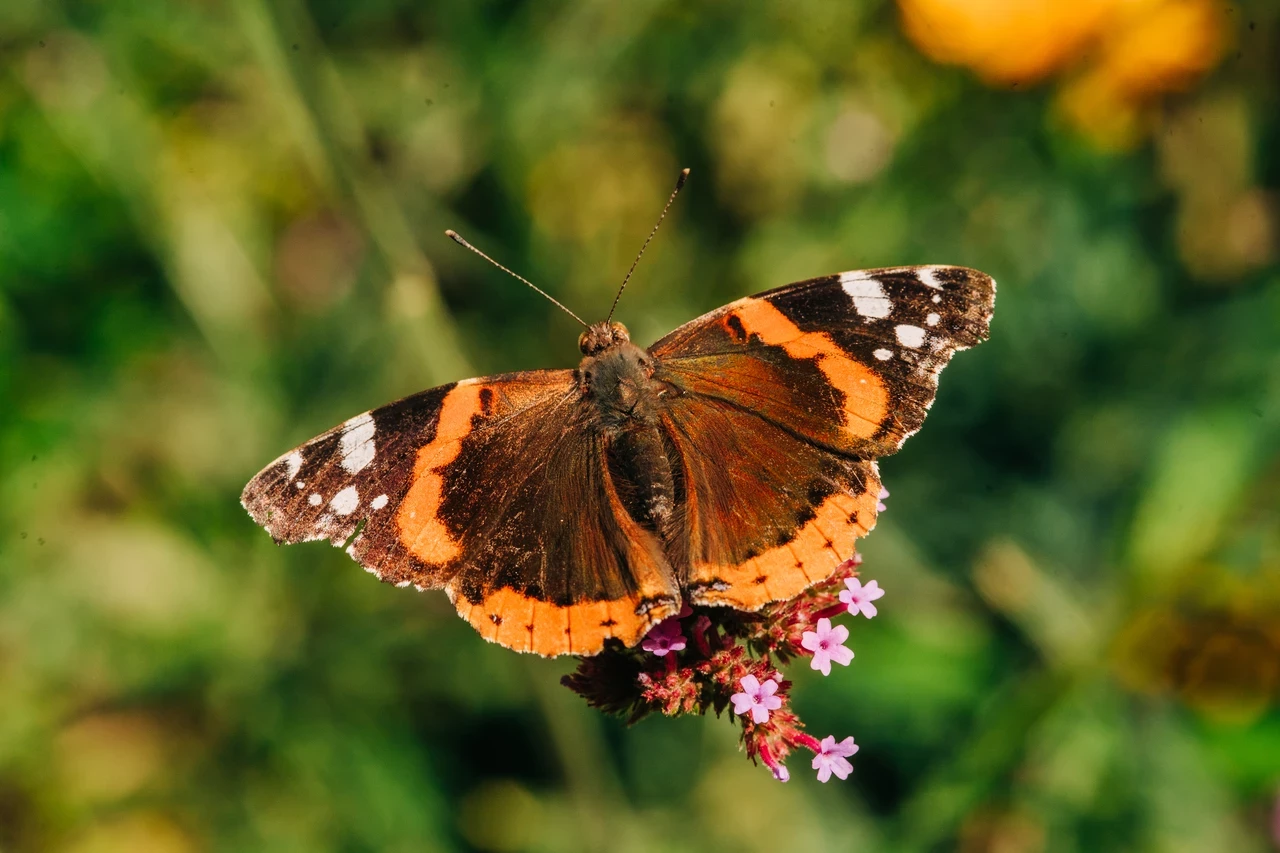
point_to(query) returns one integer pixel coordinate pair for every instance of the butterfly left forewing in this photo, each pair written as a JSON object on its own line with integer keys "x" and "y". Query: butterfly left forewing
{"x": 352, "y": 479}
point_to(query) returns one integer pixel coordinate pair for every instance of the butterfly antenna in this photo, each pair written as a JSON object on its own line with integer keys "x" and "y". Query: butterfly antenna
{"x": 684, "y": 176}
{"x": 457, "y": 238}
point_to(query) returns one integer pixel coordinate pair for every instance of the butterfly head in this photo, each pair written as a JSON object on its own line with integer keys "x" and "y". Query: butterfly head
{"x": 617, "y": 378}
{"x": 600, "y": 336}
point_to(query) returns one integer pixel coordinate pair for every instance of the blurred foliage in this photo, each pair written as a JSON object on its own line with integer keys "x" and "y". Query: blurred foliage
{"x": 221, "y": 232}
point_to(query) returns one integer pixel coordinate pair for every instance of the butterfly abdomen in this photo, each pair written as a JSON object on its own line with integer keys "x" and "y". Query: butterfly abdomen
{"x": 638, "y": 462}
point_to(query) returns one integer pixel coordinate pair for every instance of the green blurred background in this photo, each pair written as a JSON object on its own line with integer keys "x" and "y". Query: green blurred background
{"x": 221, "y": 233}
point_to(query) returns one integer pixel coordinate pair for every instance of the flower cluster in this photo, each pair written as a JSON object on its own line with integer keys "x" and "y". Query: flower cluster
{"x": 708, "y": 658}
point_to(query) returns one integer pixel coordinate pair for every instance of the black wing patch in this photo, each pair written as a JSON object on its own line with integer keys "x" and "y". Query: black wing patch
{"x": 349, "y": 480}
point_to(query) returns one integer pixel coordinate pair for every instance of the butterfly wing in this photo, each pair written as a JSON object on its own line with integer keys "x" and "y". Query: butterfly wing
{"x": 496, "y": 490}
{"x": 779, "y": 403}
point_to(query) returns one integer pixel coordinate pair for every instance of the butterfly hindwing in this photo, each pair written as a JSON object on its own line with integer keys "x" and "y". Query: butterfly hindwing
{"x": 543, "y": 555}
{"x": 766, "y": 513}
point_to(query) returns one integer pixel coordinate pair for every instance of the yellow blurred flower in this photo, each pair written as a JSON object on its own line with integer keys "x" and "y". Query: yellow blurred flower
{"x": 602, "y": 182}
{"x": 1215, "y": 645}
{"x": 110, "y": 756}
{"x": 1123, "y": 54}
{"x": 1005, "y": 41}
{"x": 135, "y": 832}
{"x": 765, "y": 108}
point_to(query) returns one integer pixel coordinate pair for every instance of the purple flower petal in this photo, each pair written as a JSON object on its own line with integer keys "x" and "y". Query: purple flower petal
{"x": 833, "y": 757}
{"x": 664, "y": 637}
{"x": 858, "y": 598}
{"x": 827, "y": 645}
{"x": 756, "y": 698}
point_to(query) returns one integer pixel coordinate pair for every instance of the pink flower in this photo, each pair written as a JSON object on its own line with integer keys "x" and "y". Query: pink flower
{"x": 884, "y": 493}
{"x": 756, "y": 698}
{"x": 858, "y": 598}
{"x": 827, "y": 645}
{"x": 832, "y": 758}
{"x": 665, "y": 637}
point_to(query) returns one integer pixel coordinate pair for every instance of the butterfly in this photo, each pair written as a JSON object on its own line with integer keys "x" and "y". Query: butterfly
{"x": 731, "y": 463}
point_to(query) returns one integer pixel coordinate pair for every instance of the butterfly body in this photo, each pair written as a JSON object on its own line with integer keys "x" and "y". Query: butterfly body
{"x": 731, "y": 463}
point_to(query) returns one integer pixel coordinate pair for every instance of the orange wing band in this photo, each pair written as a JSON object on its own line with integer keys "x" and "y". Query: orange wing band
{"x": 525, "y": 624}
{"x": 866, "y": 399}
{"x": 785, "y": 571}
{"x": 418, "y": 519}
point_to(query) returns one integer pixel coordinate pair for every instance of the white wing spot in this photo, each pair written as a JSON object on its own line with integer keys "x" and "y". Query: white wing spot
{"x": 936, "y": 299}
{"x": 883, "y": 354}
{"x": 345, "y": 501}
{"x": 356, "y": 444}
{"x": 293, "y": 463}
{"x": 929, "y": 276}
{"x": 315, "y": 499}
{"x": 300, "y": 485}
{"x": 867, "y": 294}
{"x": 403, "y": 584}
{"x": 910, "y": 336}
{"x": 379, "y": 502}
{"x": 932, "y": 319}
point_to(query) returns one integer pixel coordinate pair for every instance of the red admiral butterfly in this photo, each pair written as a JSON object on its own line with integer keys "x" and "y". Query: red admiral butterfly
{"x": 730, "y": 463}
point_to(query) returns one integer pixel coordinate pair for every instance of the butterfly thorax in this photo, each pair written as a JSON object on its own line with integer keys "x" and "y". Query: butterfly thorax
{"x": 618, "y": 385}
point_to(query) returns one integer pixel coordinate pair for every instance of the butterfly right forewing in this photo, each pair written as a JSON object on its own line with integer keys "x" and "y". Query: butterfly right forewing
{"x": 850, "y": 360}
{"x": 905, "y": 322}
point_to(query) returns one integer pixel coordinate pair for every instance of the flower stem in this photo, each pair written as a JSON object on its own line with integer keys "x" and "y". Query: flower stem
{"x": 808, "y": 741}
{"x": 831, "y": 612}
